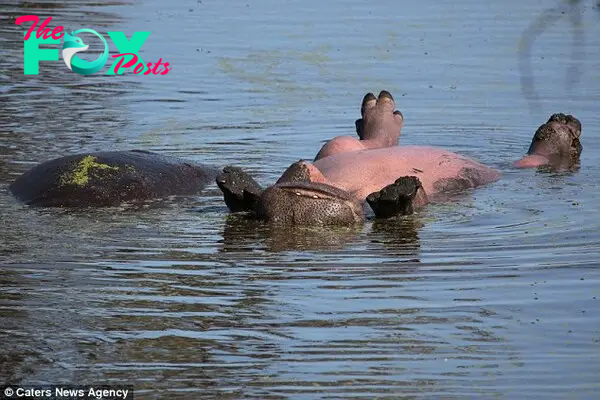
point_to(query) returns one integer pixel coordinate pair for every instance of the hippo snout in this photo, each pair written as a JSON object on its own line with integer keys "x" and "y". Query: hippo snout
{"x": 309, "y": 204}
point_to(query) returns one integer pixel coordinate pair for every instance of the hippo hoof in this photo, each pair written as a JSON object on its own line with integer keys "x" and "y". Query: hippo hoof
{"x": 240, "y": 190}
{"x": 395, "y": 199}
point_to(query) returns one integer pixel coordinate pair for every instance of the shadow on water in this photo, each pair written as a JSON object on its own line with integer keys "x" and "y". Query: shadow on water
{"x": 400, "y": 236}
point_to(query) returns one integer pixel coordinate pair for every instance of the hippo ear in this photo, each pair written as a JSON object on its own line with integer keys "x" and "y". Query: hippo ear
{"x": 360, "y": 128}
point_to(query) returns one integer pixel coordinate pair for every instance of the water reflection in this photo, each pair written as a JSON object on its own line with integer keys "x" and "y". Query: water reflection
{"x": 492, "y": 295}
{"x": 241, "y": 234}
{"x": 399, "y": 236}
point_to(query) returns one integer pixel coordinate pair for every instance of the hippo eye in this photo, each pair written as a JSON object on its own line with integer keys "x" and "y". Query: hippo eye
{"x": 399, "y": 113}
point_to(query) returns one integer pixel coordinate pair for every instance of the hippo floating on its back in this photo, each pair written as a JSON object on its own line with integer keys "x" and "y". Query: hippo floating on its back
{"x": 393, "y": 180}
{"x": 109, "y": 179}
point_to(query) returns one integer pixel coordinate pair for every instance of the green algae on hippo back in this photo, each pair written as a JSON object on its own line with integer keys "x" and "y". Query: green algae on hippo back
{"x": 79, "y": 175}
{"x": 109, "y": 179}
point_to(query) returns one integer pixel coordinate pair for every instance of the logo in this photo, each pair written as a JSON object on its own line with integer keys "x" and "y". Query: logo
{"x": 73, "y": 45}
{"x": 128, "y": 56}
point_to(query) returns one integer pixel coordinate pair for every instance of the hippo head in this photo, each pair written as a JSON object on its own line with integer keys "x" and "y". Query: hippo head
{"x": 380, "y": 120}
{"x": 293, "y": 200}
{"x": 558, "y": 140}
{"x": 309, "y": 203}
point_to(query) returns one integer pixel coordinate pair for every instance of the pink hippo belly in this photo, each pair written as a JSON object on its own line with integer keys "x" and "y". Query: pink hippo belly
{"x": 368, "y": 171}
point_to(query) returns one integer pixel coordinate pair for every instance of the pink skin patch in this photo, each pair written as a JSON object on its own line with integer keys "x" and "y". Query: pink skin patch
{"x": 368, "y": 171}
{"x": 532, "y": 161}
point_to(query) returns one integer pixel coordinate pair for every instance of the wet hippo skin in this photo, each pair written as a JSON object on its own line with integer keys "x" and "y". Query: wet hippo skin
{"x": 109, "y": 179}
{"x": 333, "y": 189}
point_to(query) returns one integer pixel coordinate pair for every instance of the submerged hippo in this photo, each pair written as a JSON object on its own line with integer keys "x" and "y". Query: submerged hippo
{"x": 109, "y": 179}
{"x": 392, "y": 180}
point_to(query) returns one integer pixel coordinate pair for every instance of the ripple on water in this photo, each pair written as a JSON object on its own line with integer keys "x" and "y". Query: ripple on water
{"x": 493, "y": 294}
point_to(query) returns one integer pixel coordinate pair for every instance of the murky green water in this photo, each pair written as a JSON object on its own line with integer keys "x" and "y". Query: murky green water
{"x": 495, "y": 295}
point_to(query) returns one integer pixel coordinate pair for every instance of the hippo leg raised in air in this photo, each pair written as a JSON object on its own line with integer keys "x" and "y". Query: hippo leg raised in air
{"x": 379, "y": 127}
{"x": 240, "y": 190}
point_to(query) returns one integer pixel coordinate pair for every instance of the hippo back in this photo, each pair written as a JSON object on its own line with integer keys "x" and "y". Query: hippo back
{"x": 109, "y": 179}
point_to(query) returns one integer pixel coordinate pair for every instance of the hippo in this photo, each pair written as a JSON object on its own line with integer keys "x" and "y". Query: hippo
{"x": 393, "y": 180}
{"x": 105, "y": 179}
{"x": 332, "y": 190}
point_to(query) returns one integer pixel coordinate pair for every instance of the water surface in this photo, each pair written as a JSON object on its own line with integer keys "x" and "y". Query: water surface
{"x": 493, "y": 295}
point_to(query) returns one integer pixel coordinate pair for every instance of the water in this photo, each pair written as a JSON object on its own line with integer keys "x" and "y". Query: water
{"x": 494, "y": 295}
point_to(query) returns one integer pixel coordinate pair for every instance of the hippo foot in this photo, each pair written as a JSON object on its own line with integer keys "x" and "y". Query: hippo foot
{"x": 395, "y": 199}
{"x": 240, "y": 190}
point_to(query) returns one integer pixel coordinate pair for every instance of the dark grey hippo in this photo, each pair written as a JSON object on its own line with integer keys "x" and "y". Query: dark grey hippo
{"x": 109, "y": 179}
